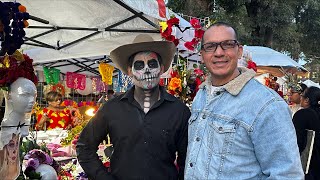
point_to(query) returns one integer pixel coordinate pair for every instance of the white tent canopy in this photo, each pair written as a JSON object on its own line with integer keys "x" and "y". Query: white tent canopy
{"x": 80, "y": 32}
{"x": 309, "y": 83}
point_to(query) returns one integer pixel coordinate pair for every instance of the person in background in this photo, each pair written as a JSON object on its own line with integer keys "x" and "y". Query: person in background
{"x": 55, "y": 115}
{"x": 294, "y": 96}
{"x": 308, "y": 118}
{"x": 239, "y": 128}
{"x": 147, "y": 126}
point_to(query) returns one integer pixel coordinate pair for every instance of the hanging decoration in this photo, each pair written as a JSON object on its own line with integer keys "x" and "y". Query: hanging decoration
{"x": 88, "y": 87}
{"x": 106, "y": 72}
{"x": 75, "y": 80}
{"x": 52, "y": 75}
{"x": 162, "y": 8}
{"x": 166, "y": 32}
{"x": 13, "y": 18}
{"x": 198, "y": 33}
{"x": 98, "y": 85}
{"x": 124, "y": 82}
{"x": 166, "y": 29}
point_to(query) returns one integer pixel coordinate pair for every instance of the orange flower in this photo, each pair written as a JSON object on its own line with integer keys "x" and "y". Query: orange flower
{"x": 175, "y": 84}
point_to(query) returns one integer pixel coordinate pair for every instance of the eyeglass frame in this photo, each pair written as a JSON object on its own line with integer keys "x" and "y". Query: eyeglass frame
{"x": 236, "y": 43}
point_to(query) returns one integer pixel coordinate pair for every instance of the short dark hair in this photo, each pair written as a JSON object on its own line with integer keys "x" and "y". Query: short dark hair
{"x": 220, "y": 23}
{"x": 313, "y": 93}
{"x": 133, "y": 55}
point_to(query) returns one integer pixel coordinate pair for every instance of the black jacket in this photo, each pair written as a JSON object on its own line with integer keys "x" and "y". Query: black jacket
{"x": 145, "y": 145}
{"x": 309, "y": 119}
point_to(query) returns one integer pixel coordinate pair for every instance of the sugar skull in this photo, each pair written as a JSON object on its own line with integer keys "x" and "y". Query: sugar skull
{"x": 146, "y": 70}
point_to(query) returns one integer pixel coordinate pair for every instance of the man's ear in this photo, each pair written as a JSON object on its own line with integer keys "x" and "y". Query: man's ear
{"x": 162, "y": 69}
{"x": 129, "y": 71}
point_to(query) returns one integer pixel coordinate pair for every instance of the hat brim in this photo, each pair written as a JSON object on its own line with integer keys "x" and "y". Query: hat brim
{"x": 120, "y": 56}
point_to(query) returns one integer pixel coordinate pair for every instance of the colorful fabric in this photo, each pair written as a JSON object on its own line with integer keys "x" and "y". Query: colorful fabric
{"x": 106, "y": 72}
{"x": 52, "y": 75}
{"x": 76, "y": 81}
{"x": 98, "y": 85}
{"x": 58, "y": 119}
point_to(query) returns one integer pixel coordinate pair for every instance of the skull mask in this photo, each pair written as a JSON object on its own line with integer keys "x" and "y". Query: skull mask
{"x": 146, "y": 70}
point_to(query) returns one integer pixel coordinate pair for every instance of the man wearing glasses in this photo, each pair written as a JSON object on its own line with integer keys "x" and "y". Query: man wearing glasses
{"x": 239, "y": 128}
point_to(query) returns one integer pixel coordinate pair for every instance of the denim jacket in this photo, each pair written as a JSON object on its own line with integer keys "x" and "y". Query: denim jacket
{"x": 242, "y": 131}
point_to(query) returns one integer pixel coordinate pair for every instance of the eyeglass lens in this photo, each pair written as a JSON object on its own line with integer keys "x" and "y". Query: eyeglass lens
{"x": 212, "y": 47}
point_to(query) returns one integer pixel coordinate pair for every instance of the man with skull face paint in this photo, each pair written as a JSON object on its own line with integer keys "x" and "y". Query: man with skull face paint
{"x": 147, "y": 126}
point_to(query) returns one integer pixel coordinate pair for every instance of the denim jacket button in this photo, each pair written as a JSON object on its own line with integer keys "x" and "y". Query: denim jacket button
{"x": 204, "y": 116}
{"x": 220, "y": 128}
{"x": 218, "y": 93}
{"x": 191, "y": 164}
{"x": 197, "y": 139}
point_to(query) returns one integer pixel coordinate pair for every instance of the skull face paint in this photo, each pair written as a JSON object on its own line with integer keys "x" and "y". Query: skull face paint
{"x": 146, "y": 70}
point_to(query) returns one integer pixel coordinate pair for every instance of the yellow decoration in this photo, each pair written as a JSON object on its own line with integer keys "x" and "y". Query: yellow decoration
{"x": 163, "y": 25}
{"x": 106, "y": 72}
{"x": 18, "y": 55}
{"x": 6, "y": 61}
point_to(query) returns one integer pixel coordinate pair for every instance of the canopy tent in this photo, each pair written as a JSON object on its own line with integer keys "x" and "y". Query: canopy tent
{"x": 309, "y": 83}
{"x": 78, "y": 33}
{"x": 274, "y": 62}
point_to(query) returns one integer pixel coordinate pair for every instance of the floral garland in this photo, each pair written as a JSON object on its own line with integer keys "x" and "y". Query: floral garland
{"x": 14, "y": 66}
{"x": 166, "y": 30}
{"x": 13, "y": 18}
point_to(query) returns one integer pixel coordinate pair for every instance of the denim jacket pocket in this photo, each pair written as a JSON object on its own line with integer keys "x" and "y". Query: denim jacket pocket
{"x": 221, "y": 137}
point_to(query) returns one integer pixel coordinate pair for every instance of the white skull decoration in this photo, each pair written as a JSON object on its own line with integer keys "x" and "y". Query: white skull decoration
{"x": 146, "y": 70}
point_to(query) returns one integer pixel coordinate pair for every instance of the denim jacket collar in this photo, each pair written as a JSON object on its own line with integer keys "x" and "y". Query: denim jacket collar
{"x": 234, "y": 86}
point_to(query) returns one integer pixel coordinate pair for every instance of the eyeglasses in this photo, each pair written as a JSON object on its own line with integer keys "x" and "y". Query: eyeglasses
{"x": 227, "y": 44}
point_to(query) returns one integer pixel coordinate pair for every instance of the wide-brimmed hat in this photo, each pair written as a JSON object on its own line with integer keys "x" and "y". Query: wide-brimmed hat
{"x": 143, "y": 42}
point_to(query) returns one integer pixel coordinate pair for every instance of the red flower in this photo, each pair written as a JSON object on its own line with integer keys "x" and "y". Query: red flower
{"x": 106, "y": 164}
{"x": 189, "y": 45}
{"x": 173, "y": 21}
{"x": 174, "y": 74}
{"x": 176, "y": 41}
{"x": 170, "y": 38}
{"x": 198, "y": 33}
{"x": 252, "y": 65}
{"x": 167, "y": 32}
{"x": 195, "y": 23}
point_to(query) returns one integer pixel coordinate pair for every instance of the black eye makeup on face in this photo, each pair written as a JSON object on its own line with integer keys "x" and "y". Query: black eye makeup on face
{"x": 138, "y": 65}
{"x": 153, "y": 63}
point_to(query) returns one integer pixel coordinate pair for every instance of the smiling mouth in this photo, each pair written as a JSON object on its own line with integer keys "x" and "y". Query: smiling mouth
{"x": 148, "y": 77}
{"x": 220, "y": 62}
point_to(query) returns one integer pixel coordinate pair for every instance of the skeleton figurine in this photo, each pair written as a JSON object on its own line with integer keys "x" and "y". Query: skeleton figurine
{"x": 145, "y": 71}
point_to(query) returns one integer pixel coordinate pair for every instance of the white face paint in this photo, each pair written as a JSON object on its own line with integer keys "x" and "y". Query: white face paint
{"x": 146, "y": 70}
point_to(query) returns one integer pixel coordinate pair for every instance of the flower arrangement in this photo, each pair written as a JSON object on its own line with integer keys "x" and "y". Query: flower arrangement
{"x": 14, "y": 66}
{"x": 73, "y": 134}
{"x": 185, "y": 83}
{"x": 33, "y": 159}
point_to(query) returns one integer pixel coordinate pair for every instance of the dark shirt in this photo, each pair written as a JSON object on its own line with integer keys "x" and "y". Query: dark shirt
{"x": 145, "y": 145}
{"x": 309, "y": 119}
